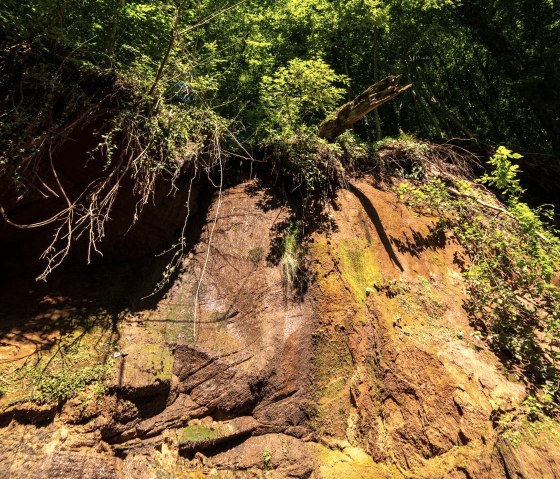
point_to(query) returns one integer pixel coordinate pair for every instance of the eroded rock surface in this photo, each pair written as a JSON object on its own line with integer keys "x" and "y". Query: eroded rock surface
{"x": 372, "y": 372}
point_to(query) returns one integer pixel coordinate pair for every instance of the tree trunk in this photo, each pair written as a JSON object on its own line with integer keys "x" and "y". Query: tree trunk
{"x": 170, "y": 45}
{"x": 353, "y": 111}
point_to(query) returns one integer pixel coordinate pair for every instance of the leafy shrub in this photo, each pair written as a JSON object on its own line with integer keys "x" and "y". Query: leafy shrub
{"x": 68, "y": 382}
{"x": 300, "y": 94}
{"x": 504, "y": 173}
{"x": 513, "y": 254}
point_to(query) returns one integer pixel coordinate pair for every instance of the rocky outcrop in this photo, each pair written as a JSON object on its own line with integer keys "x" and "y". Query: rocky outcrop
{"x": 373, "y": 372}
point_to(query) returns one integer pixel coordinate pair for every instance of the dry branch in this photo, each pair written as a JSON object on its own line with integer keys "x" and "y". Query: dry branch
{"x": 353, "y": 111}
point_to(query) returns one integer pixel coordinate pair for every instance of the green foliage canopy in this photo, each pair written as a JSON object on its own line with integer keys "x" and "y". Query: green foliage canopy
{"x": 485, "y": 70}
{"x": 302, "y": 93}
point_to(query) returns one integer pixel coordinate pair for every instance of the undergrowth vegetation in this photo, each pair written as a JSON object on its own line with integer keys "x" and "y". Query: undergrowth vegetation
{"x": 76, "y": 364}
{"x": 513, "y": 254}
{"x": 50, "y": 103}
{"x": 68, "y": 383}
{"x": 291, "y": 255}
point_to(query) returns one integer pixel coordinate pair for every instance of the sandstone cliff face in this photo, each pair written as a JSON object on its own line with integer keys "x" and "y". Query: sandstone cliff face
{"x": 373, "y": 371}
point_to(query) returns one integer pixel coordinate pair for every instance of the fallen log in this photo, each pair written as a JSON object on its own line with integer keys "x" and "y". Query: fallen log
{"x": 353, "y": 111}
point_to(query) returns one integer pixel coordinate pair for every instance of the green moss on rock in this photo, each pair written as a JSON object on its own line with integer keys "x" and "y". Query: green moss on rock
{"x": 359, "y": 267}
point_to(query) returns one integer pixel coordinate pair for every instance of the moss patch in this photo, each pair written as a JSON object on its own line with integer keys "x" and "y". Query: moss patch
{"x": 333, "y": 366}
{"x": 69, "y": 382}
{"x": 158, "y": 357}
{"x": 177, "y": 324}
{"x": 192, "y": 435}
{"x": 359, "y": 267}
{"x": 333, "y": 370}
{"x": 419, "y": 299}
{"x": 172, "y": 322}
{"x": 255, "y": 255}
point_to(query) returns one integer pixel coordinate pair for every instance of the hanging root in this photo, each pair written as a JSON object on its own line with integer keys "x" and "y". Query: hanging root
{"x": 444, "y": 160}
{"x": 132, "y": 149}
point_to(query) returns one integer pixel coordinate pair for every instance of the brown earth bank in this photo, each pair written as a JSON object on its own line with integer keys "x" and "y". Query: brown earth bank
{"x": 371, "y": 370}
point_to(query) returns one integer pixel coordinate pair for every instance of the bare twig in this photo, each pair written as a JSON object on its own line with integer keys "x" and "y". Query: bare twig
{"x": 199, "y": 283}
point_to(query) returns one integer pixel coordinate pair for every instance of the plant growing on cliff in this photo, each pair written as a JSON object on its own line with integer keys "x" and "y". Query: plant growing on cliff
{"x": 295, "y": 99}
{"x": 291, "y": 255}
{"x": 68, "y": 382}
{"x": 514, "y": 254}
{"x": 267, "y": 460}
{"x": 255, "y": 255}
{"x": 504, "y": 174}
{"x": 311, "y": 163}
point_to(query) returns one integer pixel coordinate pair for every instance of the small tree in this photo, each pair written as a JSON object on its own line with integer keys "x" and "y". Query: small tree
{"x": 301, "y": 94}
